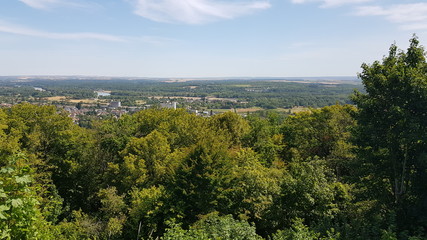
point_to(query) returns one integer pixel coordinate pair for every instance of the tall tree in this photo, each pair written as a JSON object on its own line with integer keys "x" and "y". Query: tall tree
{"x": 391, "y": 133}
{"x": 201, "y": 181}
{"x": 324, "y": 133}
{"x": 231, "y": 125}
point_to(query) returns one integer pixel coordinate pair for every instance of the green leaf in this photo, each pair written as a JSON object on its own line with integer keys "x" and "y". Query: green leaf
{"x": 7, "y": 170}
{"x": 2, "y": 193}
{"x": 23, "y": 179}
{"x": 5, "y": 234}
{"x": 2, "y": 209}
{"x": 16, "y": 202}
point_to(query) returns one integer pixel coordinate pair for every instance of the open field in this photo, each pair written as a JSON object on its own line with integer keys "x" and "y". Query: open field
{"x": 65, "y": 99}
{"x": 293, "y": 110}
{"x": 254, "y": 109}
{"x": 238, "y": 110}
{"x": 196, "y": 98}
{"x": 56, "y": 98}
{"x": 176, "y": 97}
{"x": 140, "y": 102}
{"x": 241, "y": 85}
{"x": 87, "y": 100}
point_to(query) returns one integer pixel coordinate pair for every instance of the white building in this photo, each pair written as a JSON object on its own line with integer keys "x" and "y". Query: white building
{"x": 115, "y": 104}
{"x": 168, "y": 105}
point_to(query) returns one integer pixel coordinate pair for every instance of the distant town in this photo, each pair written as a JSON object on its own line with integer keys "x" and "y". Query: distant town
{"x": 89, "y": 98}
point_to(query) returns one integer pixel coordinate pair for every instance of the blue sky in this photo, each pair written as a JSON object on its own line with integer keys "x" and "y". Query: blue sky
{"x": 203, "y": 38}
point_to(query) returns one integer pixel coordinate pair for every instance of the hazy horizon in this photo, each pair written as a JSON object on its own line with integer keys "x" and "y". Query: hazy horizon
{"x": 195, "y": 78}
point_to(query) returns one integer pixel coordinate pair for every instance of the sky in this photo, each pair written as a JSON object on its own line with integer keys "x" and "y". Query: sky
{"x": 203, "y": 38}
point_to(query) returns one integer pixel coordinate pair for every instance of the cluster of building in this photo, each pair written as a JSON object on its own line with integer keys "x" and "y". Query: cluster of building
{"x": 112, "y": 109}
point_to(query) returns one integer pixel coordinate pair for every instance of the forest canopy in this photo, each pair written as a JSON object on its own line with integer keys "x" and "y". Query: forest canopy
{"x": 338, "y": 172}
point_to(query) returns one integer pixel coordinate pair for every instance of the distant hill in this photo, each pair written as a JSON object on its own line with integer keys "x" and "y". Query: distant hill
{"x": 24, "y": 78}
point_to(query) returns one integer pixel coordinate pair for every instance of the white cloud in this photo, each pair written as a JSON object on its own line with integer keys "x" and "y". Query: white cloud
{"x": 414, "y": 26}
{"x": 196, "y": 11}
{"x": 411, "y": 16}
{"x": 40, "y": 4}
{"x": 336, "y": 3}
{"x": 20, "y": 30}
{"x": 331, "y": 3}
{"x": 49, "y": 4}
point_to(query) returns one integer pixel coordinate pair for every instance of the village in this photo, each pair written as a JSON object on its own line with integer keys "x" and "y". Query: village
{"x": 113, "y": 109}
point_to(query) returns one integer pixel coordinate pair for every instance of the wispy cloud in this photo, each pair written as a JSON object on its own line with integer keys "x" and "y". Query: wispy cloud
{"x": 196, "y": 11}
{"x": 158, "y": 41}
{"x": 332, "y": 3}
{"x": 49, "y": 4}
{"x": 411, "y": 16}
{"x": 20, "y": 30}
{"x": 40, "y": 4}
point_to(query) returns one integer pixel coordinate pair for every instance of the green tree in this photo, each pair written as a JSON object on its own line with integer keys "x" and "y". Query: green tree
{"x": 231, "y": 125}
{"x": 182, "y": 129}
{"x": 391, "y": 133}
{"x": 153, "y": 150}
{"x": 308, "y": 192}
{"x": 9, "y": 140}
{"x": 201, "y": 182}
{"x": 112, "y": 213}
{"x": 324, "y": 133}
{"x": 298, "y": 231}
{"x": 253, "y": 189}
{"x": 81, "y": 226}
{"x": 20, "y": 214}
{"x": 264, "y": 137}
{"x": 147, "y": 213}
{"x": 60, "y": 151}
{"x": 213, "y": 226}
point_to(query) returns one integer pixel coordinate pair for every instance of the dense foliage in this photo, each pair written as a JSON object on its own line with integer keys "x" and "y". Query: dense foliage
{"x": 339, "y": 172}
